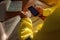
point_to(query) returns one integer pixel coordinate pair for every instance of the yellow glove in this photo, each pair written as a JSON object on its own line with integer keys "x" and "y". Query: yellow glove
{"x": 25, "y": 28}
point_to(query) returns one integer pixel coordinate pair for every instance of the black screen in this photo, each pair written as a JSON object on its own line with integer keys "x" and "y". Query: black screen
{"x": 33, "y": 11}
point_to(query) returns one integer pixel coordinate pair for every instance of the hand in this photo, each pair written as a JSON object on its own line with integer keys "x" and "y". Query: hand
{"x": 25, "y": 14}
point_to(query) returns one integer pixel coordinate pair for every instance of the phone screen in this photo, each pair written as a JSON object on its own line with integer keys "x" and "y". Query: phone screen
{"x": 33, "y": 11}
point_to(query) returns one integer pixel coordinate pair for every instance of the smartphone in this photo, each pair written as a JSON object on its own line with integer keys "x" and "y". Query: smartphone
{"x": 33, "y": 11}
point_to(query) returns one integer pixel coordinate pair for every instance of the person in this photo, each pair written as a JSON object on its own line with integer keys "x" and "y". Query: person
{"x": 40, "y": 35}
{"x": 51, "y": 28}
{"x": 25, "y": 30}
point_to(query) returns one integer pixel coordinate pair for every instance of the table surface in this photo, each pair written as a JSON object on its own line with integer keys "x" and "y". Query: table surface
{"x": 15, "y": 6}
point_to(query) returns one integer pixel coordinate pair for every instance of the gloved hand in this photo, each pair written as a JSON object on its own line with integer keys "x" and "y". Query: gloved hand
{"x": 25, "y": 28}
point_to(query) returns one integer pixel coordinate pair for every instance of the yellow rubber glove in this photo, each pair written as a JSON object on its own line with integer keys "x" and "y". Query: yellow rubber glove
{"x": 25, "y": 28}
{"x": 48, "y": 11}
